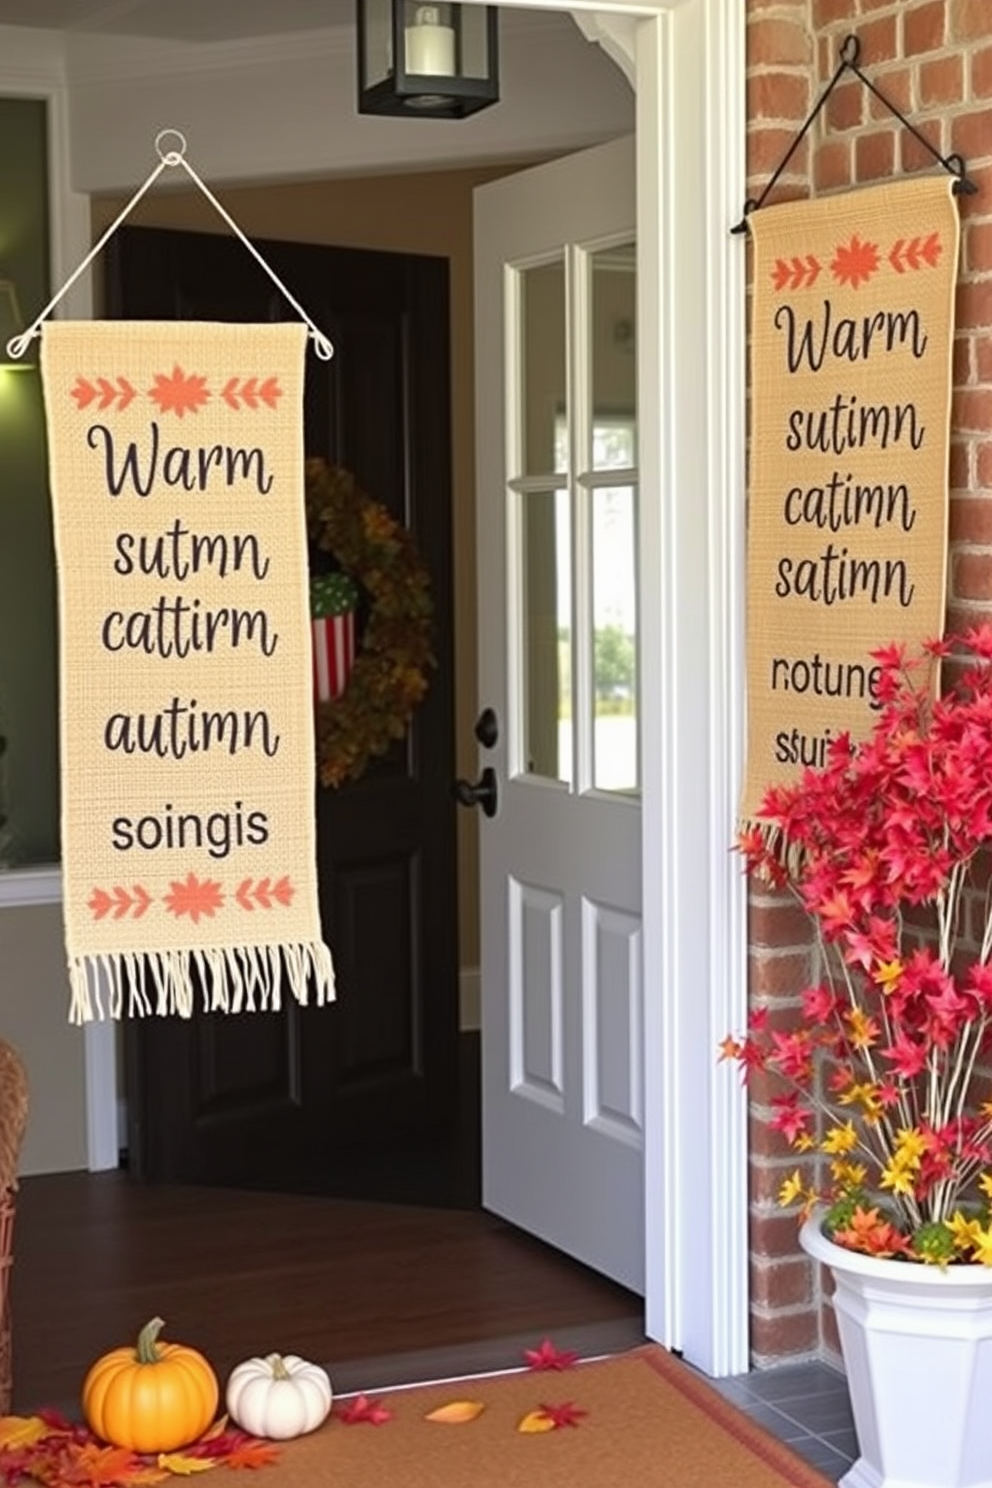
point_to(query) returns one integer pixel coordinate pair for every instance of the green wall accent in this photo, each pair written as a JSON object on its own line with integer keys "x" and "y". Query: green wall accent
{"x": 28, "y": 632}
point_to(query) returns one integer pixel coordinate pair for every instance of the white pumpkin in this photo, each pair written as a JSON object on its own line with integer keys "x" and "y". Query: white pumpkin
{"x": 278, "y": 1397}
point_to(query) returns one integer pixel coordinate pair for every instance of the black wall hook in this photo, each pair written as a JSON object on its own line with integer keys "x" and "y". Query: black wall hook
{"x": 850, "y": 54}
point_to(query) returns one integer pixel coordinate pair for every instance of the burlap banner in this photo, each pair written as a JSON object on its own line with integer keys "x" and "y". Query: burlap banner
{"x": 851, "y": 345}
{"x": 187, "y": 735}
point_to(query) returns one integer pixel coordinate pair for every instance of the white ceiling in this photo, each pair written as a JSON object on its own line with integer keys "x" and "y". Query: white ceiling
{"x": 178, "y": 20}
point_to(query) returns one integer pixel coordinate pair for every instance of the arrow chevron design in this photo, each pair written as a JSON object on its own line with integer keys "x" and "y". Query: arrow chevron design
{"x": 262, "y": 893}
{"x": 798, "y": 272}
{"x": 119, "y": 903}
{"x": 251, "y": 391}
{"x": 915, "y": 253}
{"x": 104, "y": 391}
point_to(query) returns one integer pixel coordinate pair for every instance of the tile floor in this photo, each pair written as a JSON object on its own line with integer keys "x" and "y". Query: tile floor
{"x": 805, "y": 1405}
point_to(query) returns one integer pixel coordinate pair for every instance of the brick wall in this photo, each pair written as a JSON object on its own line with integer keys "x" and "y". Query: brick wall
{"x": 933, "y": 60}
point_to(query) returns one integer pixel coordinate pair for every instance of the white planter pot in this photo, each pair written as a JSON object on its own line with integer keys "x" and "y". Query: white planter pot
{"x": 917, "y": 1345}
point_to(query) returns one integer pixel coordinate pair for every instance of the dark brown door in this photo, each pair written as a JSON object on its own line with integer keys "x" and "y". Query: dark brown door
{"x": 360, "y": 1097}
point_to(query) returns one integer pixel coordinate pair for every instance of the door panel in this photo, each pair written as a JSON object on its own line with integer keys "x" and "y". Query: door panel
{"x": 562, "y": 987}
{"x": 337, "y": 1099}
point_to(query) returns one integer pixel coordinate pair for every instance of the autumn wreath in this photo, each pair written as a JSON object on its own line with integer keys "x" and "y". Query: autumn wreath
{"x": 389, "y": 677}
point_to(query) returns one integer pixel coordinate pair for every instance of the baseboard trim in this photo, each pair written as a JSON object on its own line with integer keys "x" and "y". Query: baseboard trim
{"x": 469, "y": 999}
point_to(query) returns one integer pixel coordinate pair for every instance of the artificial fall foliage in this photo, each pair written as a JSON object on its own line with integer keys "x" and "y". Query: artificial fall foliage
{"x": 58, "y": 1453}
{"x": 363, "y": 1412}
{"x": 887, "y": 1055}
{"x": 456, "y": 1412}
{"x": 546, "y": 1356}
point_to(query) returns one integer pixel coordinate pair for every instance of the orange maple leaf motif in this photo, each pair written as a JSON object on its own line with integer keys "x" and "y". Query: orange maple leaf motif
{"x": 855, "y": 262}
{"x": 194, "y": 897}
{"x": 179, "y": 393}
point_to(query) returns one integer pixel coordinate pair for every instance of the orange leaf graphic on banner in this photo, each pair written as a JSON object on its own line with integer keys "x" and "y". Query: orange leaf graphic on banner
{"x": 195, "y": 897}
{"x": 179, "y": 393}
{"x": 855, "y": 262}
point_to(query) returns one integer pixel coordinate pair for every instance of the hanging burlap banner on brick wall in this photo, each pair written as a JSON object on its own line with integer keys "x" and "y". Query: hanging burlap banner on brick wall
{"x": 851, "y": 341}
{"x": 187, "y": 736}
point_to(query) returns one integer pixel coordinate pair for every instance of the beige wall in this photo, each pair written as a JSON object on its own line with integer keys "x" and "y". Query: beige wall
{"x": 429, "y": 212}
{"x": 34, "y": 1001}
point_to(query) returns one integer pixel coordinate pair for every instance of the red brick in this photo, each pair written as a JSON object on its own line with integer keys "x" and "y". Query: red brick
{"x": 784, "y": 1284}
{"x": 976, "y": 203}
{"x": 973, "y": 408}
{"x": 767, "y": 148}
{"x": 963, "y": 360}
{"x": 972, "y": 576}
{"x": 981, "y": 73}
{"x": 923, "y": 28}
{"x": 845, "y": 108}
{"x": 779, "y": 976}
{"x": 974, "y": 305}
{"x": 960, "y": 465}
{"x": 983, "y": 467}
{"x": 878, "y": 40}
{"x": 766, "y": 1179}
{"x": 875, "y": 155}
{"x": 971, "y": 135}
{"x": 777, "y": 95}
{"x": 778, "y": 42}
{"x": 826, "y": 12}
{"x": 897, "y": 85}
{"x": 765, "y": 1141}
{"x": 978, "y": 247}
{"x": 969, "y": 20}
{"x": 764, "y": 1087}
{"x": 971, "y": 520}
{"x": 784, "y": 1334}
{"x": 774, "y": 1236}
{"x": 982, "y": 347}
{"x": 832, "y": 165}
{"x": 942, "y": 81}
{"x": 779, "y": 923}
{"x": 914, "y": 155}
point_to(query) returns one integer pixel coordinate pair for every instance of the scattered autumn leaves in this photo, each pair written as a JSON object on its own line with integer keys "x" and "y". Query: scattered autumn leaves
{"x": 58, "y": 1453}
{"x": 361, "y": 1410}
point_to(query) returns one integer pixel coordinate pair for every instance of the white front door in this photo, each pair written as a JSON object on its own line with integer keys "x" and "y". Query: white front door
{"x": 557, "y": 516}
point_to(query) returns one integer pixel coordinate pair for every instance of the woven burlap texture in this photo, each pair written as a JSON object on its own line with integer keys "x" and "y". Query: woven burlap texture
{"x": 851, "y": 376}
{"x": 187, "y": 730}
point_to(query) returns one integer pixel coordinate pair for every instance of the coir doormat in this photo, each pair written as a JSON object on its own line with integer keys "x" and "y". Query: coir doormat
{"x": 640, "y": 1418}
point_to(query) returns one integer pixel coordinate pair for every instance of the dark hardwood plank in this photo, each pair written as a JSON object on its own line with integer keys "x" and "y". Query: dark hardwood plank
{"x": 237, "y": 1273}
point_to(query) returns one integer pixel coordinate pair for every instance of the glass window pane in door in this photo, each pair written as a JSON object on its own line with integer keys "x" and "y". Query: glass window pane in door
{"x": 614, "y": 358}
{"x": 543, "y": 388}
{"x": 614, "y": 608}
{"x": 546, "y": 634}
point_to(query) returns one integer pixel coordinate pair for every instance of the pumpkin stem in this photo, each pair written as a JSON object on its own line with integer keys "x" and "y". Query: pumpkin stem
{"x": 147, "y": 1350}
{"x": 277, "y": 1364}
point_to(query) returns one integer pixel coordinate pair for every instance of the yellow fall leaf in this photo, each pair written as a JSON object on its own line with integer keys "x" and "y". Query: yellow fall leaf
{"x": 217, "y": 1429}
{"x": 22, "y": 1431}
{"x": 185, "y": 1467}
{"x": 456, "y": 1412}
{"x": 535, "y": 1421}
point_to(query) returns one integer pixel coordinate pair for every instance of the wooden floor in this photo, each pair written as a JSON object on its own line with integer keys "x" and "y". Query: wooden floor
{"x": 377, "y": 1292}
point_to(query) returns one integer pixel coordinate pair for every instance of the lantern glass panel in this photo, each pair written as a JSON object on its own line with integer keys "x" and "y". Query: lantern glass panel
{"x": 474, "y": 60}
{"x": 377, "y": 18}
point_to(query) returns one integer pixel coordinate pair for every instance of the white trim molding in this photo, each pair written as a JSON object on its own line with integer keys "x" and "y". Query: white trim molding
{"x": 690, "y": 130}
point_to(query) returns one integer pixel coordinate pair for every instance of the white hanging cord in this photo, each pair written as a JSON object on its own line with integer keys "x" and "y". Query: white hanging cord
{"x": 18, "y": 345}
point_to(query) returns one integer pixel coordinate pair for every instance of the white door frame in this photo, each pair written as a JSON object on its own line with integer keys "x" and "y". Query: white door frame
{"x": 686, "y": 59}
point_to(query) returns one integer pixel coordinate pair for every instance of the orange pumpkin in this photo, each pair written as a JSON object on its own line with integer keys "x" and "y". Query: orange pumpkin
{"x": 153, "y": 1398}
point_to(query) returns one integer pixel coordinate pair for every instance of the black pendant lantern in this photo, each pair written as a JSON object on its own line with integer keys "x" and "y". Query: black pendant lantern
{"x": 439, "y": 61}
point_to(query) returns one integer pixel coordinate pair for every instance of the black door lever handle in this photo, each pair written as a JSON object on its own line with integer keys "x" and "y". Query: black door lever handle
{"x": 483, "y": 792}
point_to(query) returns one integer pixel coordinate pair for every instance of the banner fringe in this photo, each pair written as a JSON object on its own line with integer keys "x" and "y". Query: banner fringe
{"x": 232, "y": 979}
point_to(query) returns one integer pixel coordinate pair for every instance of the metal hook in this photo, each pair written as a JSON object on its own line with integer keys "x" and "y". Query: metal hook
{"x": 850, "y": 50}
